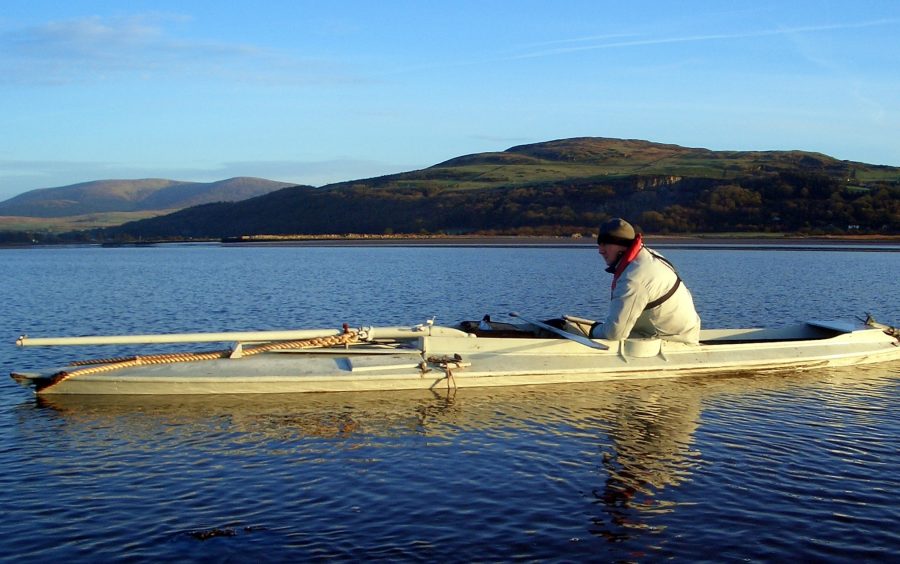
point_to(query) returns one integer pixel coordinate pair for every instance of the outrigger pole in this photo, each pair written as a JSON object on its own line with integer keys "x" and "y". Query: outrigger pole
{"x": 365, "y": 334}
{"x": 236, "y": 336}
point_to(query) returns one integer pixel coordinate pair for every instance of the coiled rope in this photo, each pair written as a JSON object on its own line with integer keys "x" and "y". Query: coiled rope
{"x": 101, "y": 365}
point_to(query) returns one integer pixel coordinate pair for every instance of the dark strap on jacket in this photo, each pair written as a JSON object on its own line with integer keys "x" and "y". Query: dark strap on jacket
{"x": 665, "y": 296}
{"x": 672, "y": 290}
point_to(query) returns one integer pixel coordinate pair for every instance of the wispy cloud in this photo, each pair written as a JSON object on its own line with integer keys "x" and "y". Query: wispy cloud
{"x": 585, "y": 39}
{"x": 852, "y": 82}
{"x": 565, "y": 46}
{"x": 144, "y": 46}
{"x": 607, "y": 42}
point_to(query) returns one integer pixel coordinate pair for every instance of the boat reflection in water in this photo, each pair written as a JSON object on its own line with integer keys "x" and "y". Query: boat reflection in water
{"x": 625, "y": 447}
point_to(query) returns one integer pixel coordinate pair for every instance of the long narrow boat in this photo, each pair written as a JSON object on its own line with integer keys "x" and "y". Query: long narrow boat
{"x": 433, "y": 356}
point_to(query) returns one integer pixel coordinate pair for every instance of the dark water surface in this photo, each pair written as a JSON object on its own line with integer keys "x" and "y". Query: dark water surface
{"x": 761, "y": 467}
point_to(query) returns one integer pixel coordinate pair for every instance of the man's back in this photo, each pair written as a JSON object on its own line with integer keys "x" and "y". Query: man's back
{"x": 647, "y": 279}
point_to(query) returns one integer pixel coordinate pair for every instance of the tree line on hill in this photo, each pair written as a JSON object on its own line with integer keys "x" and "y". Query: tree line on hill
{"x": 781, "y": 202}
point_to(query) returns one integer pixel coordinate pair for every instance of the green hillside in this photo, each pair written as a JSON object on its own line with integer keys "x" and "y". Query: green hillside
{"x": 591, "y": 157}
{"x": 566, "y": 186}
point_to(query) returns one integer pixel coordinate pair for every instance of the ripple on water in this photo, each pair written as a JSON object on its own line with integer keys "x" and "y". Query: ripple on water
{"x": 551, "y": 470}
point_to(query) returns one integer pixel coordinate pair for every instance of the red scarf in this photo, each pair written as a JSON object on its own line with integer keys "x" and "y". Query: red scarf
{"x": 629, "y": 255}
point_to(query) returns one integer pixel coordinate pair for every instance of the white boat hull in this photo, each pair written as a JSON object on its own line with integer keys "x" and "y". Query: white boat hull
{"x": 440, "y": 357}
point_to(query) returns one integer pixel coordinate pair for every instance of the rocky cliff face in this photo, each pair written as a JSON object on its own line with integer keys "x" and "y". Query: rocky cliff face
{"x": 654, "y": 182}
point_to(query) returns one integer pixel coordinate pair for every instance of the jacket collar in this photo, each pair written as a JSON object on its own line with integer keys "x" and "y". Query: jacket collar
{"x": 625, "y": 259}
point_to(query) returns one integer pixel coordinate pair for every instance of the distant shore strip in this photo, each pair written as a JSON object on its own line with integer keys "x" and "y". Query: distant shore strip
{"x": 736, "y": 242}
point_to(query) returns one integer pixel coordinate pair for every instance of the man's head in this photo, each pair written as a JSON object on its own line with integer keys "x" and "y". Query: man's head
{"x": 614, "y": 238}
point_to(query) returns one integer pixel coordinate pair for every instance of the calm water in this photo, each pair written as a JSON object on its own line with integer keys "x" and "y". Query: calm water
{"x": 764, "y": 468}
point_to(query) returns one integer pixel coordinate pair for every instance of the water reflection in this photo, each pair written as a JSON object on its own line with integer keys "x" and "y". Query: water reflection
{"x": 627, "y": 448}
{"x": 649, "y": 448}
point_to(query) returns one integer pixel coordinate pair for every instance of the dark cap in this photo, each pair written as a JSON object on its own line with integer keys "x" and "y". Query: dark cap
{"x": 616, "y": 231}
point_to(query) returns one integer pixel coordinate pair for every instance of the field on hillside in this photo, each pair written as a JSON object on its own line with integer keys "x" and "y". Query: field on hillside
{"x": 73, "y": 223}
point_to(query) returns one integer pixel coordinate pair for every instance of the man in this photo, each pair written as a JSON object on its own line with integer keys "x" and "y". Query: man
{"x": 648, "y": 299}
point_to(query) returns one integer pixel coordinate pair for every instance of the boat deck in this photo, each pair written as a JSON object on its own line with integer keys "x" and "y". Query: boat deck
{"x": 448, "y": 357}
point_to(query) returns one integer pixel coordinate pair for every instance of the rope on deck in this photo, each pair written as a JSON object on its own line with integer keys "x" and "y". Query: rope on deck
{"x": 101, "y": 365}
{"x": 888, "y": 330}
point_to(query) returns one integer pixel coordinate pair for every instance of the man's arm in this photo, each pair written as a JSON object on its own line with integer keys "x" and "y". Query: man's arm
{"x": 627, "y": 304}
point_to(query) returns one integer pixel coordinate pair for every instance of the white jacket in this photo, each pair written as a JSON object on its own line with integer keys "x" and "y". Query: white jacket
{"x": 646, "y": 279}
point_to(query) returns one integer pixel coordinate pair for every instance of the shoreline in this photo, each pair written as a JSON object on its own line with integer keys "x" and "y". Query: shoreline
{"x": 889, "y": 243}
{"x": 670, "y": 241}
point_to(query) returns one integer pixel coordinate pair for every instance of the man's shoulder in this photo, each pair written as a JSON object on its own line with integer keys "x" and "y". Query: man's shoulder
{"x": 649, "y": 255}
{"x": 645, "y": 255}
{"x": 649, "y": 263}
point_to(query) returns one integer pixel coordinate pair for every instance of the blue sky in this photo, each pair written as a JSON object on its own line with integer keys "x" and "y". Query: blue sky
{"x": 315, "y": 92}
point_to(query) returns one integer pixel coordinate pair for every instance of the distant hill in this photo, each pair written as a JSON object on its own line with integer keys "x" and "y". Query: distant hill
{"x": 146, "y": 195}
{"x": 568, "y": 186}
